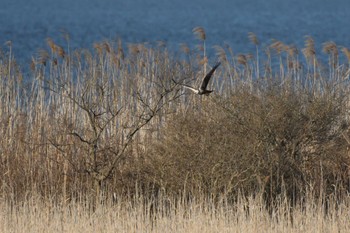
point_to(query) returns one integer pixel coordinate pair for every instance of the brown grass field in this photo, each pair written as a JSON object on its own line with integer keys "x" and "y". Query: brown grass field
{"x": 103, "y": 140}
{"x": 197, "y": 216}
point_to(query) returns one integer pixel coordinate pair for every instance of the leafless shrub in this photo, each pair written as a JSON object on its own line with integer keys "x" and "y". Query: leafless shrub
{"x": 278, "y": 142}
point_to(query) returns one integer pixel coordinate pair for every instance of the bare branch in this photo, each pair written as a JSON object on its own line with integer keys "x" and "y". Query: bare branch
{"x": 80, "y": 138}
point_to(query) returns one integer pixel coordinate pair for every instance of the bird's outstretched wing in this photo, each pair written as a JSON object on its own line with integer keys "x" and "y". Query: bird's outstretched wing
{"x": 208, "y": 76}
{"x": 191, "y": 88}
{"x": 186, "y": 86}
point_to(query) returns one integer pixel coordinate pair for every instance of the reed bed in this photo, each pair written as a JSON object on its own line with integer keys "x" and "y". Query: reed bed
{"x": 173, "y": 215}
{"x": 87, "y": 125}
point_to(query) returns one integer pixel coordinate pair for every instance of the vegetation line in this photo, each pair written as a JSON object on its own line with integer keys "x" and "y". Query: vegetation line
{"x": 95, "y": 126}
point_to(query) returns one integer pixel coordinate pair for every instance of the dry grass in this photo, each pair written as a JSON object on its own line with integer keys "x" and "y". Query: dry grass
{"x": 199, "y": 215}
{"x": 87, "y": 125}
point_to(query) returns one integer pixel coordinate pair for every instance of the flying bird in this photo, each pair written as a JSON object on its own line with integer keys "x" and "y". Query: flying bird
{"x": 202, "y": 90}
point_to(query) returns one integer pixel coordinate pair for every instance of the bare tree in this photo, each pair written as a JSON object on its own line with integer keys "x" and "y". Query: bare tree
{"x": 102, "y": 110}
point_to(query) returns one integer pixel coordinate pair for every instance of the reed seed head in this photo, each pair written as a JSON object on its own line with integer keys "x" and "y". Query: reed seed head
{"x": 61, "y": 52}
{"x": 346, "y": 52}
{"x": 199, "y": 32}
{"x": 330, "y": 48}
{"x": 309, "y": 51}
{"x": 292, "y": 50}
{"x": 43, "y": 57}
{"x": 253, "y": 38}
{"x": 220, "y": 52}
{"x": 242, "y": 59}
{"x": 51, "y": 44}
{"x": 107, "y": 47}
{"x": 278, "y": 46}
{"x": 98, "y": 47}
{"x": 8, "y": 43}
{"x": 33, "y": 64}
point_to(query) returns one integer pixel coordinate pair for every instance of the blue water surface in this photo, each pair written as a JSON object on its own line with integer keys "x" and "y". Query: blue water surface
{"x": 27, "y": 23}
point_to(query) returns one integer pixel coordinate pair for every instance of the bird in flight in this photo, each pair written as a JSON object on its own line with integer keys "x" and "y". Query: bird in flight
{"x": 202, "y": 90}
